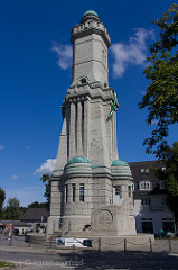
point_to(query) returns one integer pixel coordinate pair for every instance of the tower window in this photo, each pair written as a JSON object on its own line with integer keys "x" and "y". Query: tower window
{"x": 83, "y": 80}
{"x": 66, "y": 192}
{"x": 118, "y": 191}
{"x": 129, "y": 191}
{"x": 81, "y": 192}
{"x": 73, "y": 191}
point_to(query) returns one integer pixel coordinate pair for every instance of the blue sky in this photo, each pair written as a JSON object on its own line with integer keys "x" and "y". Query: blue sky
{"x": 35, "y": 72}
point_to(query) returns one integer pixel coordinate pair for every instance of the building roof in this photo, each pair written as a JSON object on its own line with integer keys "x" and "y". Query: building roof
{"x": 142, "y": 171}
{"x": 119, "y": 162}
{"x": 78, "y": 159}
{"x": 35, "y": 213}
{"x": 90, "y": 12}
{"x": 13, "y": 222}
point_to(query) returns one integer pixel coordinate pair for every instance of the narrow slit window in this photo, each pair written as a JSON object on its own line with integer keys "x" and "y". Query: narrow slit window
{"x": 66, "y": 192}
{"x": 81, "y": 192}
{"x": 73, "y": 191}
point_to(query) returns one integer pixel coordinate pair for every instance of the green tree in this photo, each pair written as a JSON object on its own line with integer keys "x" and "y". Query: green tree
{"x": 161, "y": 98}
{"x": 170, "y": 175}
{"x": 2, "y": 198}
{"x": 13, "y": 210}
{"x": 37, "y": 204}
{"x": 46, "y": 180}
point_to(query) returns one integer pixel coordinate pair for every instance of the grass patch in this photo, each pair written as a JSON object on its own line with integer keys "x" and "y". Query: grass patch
{"x": 6, "y": 264}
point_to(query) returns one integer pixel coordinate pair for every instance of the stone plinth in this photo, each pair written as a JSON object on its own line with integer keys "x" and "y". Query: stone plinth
{"x": 111, "y": 220}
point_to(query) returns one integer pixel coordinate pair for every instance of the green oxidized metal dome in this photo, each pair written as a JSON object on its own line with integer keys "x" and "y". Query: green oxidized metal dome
{"x": 78, "y": 159}
{"x": 121, "y": 170}
{"x": 90, "y": 12}
{"x": 119, "y": 162}
{"x": 78, "y": 165}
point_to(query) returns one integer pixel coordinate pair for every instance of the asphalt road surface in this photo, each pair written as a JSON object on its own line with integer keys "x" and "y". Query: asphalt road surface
{"x": 36, "y": 260}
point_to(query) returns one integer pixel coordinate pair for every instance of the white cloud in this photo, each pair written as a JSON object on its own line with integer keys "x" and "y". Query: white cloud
{"x": 135, "y": 52}
{"x": 2, "y": 147}
{"x": 47, "y": 167}
{"x": 64, "y": 54}
{"x": 14, "y": 176}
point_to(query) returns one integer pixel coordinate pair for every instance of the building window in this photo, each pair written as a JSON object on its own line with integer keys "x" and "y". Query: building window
{"x": 146, "y": 218}
{"x": 118, "y": 191}
{"x": 146, "y": 201}
{"x": 163, "y": 169}
{"x": 73, "y": 191}
{"x": 142, "y": 171}
{"x": 163, "y": 201}
{"x": 162, "y": 184}
{"x": 133, "y": 185}
{"x": 81, "y": 192}
{"x": 147, "y": 171}
{"x": 145, "y": 185}
{"x": 66, "y": 192}
{"x": 129, "y": 191}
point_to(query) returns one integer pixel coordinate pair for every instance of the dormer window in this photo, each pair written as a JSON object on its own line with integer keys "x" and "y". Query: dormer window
{"x": 145, "y": 185}
{"x": 142, "y": 171}
{"x": 162, "y": 184}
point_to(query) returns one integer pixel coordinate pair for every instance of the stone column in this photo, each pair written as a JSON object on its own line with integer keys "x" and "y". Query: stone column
{"x": 114, "y": 135}
{"x": 79, "y": 129}
{"x": 87, "y": 123}
{"x": 73, "y": 122}
{"x": 68, "y": 129}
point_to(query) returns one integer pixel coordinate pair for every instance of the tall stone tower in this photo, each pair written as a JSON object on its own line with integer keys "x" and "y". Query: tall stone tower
{"x": 90, "y": 187}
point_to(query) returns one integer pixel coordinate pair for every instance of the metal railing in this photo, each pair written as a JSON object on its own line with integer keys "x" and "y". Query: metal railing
{"x": 168, "y": 246}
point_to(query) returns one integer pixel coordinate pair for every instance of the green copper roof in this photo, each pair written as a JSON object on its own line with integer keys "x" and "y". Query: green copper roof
{"x": 78, "y": 159}
{"x": 90, "y": 12}
{"x": 119, "y": 162}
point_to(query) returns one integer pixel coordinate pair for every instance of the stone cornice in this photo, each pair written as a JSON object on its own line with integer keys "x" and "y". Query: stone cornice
{"x": 90, "y": 31}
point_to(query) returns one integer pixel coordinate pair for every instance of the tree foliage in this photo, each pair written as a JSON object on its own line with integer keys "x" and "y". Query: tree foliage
{"x": 161, "y": 98}
{"x": 2, "y": 198}
{"x": 170, "y": 175}
{"x": 13, "y": 210}
{"x": 37, "y": 204}
{"x": 46, "y": 180}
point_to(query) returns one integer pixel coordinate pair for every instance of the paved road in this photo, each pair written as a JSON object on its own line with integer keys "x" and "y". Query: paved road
{"x": 36, "y": 260}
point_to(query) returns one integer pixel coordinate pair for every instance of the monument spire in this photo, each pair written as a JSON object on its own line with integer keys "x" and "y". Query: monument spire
{"x": 90, "y": 187}
{"x": 90, "y": 42}
{"x": 88, "y": 125}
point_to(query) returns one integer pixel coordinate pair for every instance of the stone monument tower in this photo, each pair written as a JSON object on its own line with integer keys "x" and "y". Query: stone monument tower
{"x": 91, "y": 189}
